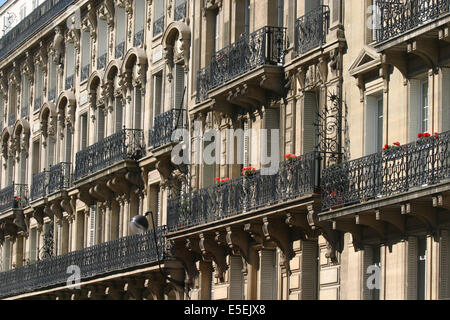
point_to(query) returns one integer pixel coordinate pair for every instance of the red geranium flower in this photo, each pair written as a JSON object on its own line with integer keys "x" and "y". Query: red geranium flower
{"x": 420, "y": 135}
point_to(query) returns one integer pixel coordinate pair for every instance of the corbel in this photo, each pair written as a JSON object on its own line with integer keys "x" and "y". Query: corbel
{"x": 421, "y": 212}
{"x": 353, "y": 229}
{"x": 441, "y": 201}
{"x": 393, "y": 217}
{"x": 371, "y": 222}
{"x": 238, "y": 241}
{"x": 278, "y": 231}
{"x": 211, "y": 251}
{"x": 427, "y": 50}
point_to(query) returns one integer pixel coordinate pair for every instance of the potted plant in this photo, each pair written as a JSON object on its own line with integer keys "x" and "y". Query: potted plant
{"x": 248, "y": 171}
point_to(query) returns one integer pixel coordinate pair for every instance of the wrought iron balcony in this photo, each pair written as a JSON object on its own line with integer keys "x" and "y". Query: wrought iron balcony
{"x": 158, "y": 26}
{"x": 39, "y": 185}
{"x": 135, "y": 251}
{"x": 37, "y": 103}
{"x": 164, "y": 126}
{"x": 60, "y": 177}
{"x": 120, "y": 50}
{"x": 31, "y": 24}
{"x": 69, "y": 82}
{"x": 311, "y": 30}
{"x": 400, "y": 16}
{"x": 101, "y": 61}
{"x": 52, "y": 94}
{"x": 12, "y": 119}
{"x": 383, "y": 174}
{"x": 14, "y": 196}
{"x": 57, "y": 178}
{"x": 127, "y": 144}
{"x": 296, "y": 178}
{"x": 139, "y": 38}
{"x": 85, "y": 72}
{"x": 180, "y": 11}
{"x": 265, "y": 46}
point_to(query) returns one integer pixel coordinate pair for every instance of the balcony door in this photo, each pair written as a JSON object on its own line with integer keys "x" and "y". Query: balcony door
{"x": 374, "y": 124}
{"x": 311, "y": 5}
{"x": 418, "y": 104}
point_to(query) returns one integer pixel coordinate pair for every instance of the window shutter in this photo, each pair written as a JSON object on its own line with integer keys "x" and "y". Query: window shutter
{"x": 268, "y": 275}
{"x": 310, "y": 110}
{"x": 100, "y": 125}
{"x": 68, "y": 145}
{"x": 271, "y": 121}
{"x": 236, "y": 278}
{"x": 209, "y": 170}
{"x": 23, "y": 167}
{"x": 366, "y": 263}
{"x": 93, "y": 226}
{"x": 158, "y": 207}
{"x": 371, "y": 128}
{"x": 51, "y": 151}
{"x": 157, "y": 88}
{"x": 309, "y": 270}
{"x": 411, "y": 271}
{"x": 33, "y": 244}
{"x": 414, "y": 109}
{"x": 83, "y": 132}
{"x": 7, "y": 255}
{"x": 118, "y": 115}
{"x": 246, "y": 144}
{"x": 179, "y": 86}
{"x": 10, "y": 170}
{"x": 444, "y": 285}
{"x": 137, "y": 108}
{"x": 212, "y": 285}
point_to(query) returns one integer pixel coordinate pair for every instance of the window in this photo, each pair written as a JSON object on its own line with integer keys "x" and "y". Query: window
{"x": 84, "y": 132}
{"x": 6, "y": 252}
{"x": 374, "y": 132}
{"x": 178, "y": 87}
{"x": 118, "y": 115}
{"x": 33, "y": 245}
{"x": 102, "y": 44}
{"x": 139, "y": 23}
{"x": 280, "y": 11}
{"x": 93, "y": 226}
{"x": 247, "y": 17}
{"x": 137, "y": 114}
{"x": 35, "y": 4}
{"x": 217, "y": 31}
{"x": 418, "y": 105}
{"x": 158, "y": 24}
{"x": 424, "y": 106}
{"x": 157, "y": 94}
{"x": 70, "y": 65}
{"x": 422, "y": 268}
{"x": 120, "y": 32}
{"x": 100, "y": 124}
{"x": 36, "y": 156}
{"x": 68, "y": 140}
{"x": 236, "y": 278}
{"x": 310, "y": 111}
{"x": 268, "y": 275}
{"x": 85, "y": 55}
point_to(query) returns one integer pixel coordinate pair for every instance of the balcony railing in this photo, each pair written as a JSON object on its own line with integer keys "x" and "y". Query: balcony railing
{"x": 69, "y": 82}
{"x": 296, "y": 178}
{"x": 265, "y": 46}
{"x": 85, "y": 72}
{"x": 158, "y": 26}
{"x": 101, "y": 62}
{"x": 400, "y": 16}
{"x": 311, "y": 30}
{"x": 127, "y": 144}
{"x": 57, "y": 178}
{"x": 37, "y": 103}
{"x": 14, "y": 196}
{"x": 180, "y": 11}
{"x": 120, "y": 50}
{"x": 31, "y": 24}
{"x": 139, "y": 38}
{"x": 39, "y": 185}
{"x": 383, "y": 174}
{"x": 12, "y": 119}
{"x": 164, "y": 126}
{"x": 99, "y": 260}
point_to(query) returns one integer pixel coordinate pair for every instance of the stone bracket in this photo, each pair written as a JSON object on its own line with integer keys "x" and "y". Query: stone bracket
{"x": 238, "y": 241}
{"x": 421, "y": 212}
{"x": 211, "y": 251}
{"x": 279, "y": 232}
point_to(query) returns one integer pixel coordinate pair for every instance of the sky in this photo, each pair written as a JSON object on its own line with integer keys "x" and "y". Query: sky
{"x": 2, "y": 2}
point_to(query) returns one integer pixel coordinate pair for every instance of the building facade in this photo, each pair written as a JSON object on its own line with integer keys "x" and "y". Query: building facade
{"x": 354, "y": 95}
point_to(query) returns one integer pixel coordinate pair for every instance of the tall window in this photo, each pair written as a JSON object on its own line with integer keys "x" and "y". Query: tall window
{"x": 247, "y": 17}
{"x": 374, "y": 135}
{"x": 120, "y": 32}
{"x": 157, "y": 94}
{"x": 418, "y": 105}
{"x": 139, "y": 23}
{"x": 100, "y": 124}
{"x": 84, "y": 132}
{"x": 85, "y": 55}
{"x": 158, "y": 25}
{"x": 422, "y": 268}
{"x": 70, "y": 65}
{"x": 53, "y": 79}
{"x": 137, "y": 114}
{"x": 6, "y": 254}
{"x": 178, "y": 87}
{"x": 102, "y": 44}
{"x": 118, "y": 115}
{"x": 217, "y": 35}
{"x": 424, "y": 105}
{"x": 38, "y": 91}
{"x": 33, "y": 245}
{"x": 25, "y": 97}
{"x": 280, "y": 12}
